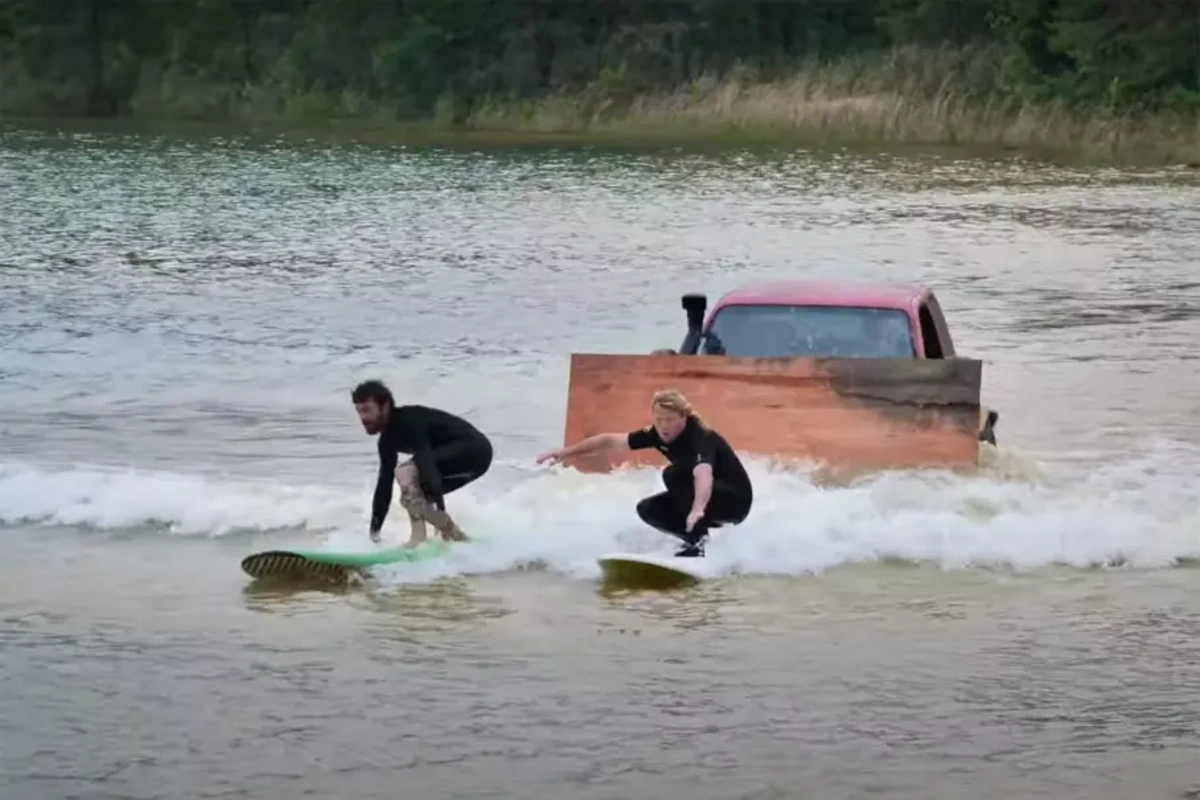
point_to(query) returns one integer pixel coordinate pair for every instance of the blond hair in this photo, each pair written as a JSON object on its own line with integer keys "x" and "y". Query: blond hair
{"x": 673, "y": 400}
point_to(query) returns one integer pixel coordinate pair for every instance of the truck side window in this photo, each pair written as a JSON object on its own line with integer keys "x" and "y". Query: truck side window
{"x": 933, "y": 345}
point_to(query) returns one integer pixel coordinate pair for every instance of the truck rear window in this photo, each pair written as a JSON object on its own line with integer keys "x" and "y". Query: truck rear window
{"x": 810, "y": 331}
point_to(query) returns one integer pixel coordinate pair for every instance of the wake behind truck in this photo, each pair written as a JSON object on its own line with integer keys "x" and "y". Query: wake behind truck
{"x": 844, "y": 375}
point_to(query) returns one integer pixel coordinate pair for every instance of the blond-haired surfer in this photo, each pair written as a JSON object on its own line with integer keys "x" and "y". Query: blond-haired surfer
{"x": 706, "y": 482}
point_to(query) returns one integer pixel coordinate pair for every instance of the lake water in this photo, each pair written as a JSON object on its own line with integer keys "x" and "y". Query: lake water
{"x": 183, "y": 318}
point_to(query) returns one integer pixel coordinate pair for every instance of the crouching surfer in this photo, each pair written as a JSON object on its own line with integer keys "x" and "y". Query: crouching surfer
{"x": 447, "y": 453}
{"x": 705, "y": 481}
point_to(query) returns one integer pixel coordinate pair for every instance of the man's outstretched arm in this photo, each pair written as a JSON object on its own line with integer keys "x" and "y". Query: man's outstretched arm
{"x": 636, "y": 440}
{"x": 383, "y": 487}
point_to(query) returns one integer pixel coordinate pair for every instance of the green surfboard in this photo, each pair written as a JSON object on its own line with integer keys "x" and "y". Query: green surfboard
{"x": 333, "y": 565}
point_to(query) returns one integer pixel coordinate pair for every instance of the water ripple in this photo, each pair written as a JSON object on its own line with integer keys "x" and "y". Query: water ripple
{"x": 181, "y": 321}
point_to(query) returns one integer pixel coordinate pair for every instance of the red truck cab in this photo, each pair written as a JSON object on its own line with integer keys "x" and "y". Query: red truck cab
{"x": 823, "y": 319}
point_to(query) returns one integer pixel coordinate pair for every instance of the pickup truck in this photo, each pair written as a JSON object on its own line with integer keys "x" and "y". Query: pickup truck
{"x": 844, "y": 374}
{"x": 815, "y": 319}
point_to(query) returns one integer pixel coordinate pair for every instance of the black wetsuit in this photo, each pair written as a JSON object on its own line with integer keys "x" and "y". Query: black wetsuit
{"x": 732, "y": 494}
{"x": 448, "y": 452}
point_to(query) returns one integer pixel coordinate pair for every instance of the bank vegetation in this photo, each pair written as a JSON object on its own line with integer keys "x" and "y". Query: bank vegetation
{"x": 1096, "y": 79}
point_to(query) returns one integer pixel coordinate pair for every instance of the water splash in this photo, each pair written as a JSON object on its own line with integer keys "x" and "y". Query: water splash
{"x": 1140, "y": 511}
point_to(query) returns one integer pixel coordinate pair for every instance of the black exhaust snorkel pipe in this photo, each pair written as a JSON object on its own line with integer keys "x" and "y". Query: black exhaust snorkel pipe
{"x": 694, "y": 305}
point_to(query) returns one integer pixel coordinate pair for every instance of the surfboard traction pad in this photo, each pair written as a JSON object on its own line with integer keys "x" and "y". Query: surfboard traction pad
{"x": 284, "y": 564}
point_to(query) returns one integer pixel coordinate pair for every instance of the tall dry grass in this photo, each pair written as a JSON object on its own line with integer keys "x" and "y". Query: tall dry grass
{"x": 911, "y": 96}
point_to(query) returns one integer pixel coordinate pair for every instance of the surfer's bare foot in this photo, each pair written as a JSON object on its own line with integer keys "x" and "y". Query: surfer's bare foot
{"x": 455, "y": 534}
{"x": 414, "y": 542}
{"x": 450, "y": 532}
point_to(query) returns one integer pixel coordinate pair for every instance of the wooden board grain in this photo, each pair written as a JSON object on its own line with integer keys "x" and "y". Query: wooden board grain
{"x": 855, "y": 413}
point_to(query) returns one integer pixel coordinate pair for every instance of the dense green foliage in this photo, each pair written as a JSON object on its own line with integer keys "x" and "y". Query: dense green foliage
{"x": 410, "y": 59}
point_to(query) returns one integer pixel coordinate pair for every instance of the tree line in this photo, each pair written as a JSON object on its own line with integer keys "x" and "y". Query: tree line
{"x": 415, "y": 58}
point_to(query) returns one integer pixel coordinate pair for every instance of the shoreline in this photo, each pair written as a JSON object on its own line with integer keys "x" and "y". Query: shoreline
{"x": 814, "y": 111}
{"x": 778, "y": 115}
{"x": 975, "y": 100}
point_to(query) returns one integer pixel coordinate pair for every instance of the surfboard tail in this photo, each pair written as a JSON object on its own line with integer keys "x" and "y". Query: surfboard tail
{"x": 648, "y": 572}
{"x": 336, "y": 566}
{"x": 280, "y": 564}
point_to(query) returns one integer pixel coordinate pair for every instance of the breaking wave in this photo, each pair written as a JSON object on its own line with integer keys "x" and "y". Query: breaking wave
{"x": 1142, "y": 512}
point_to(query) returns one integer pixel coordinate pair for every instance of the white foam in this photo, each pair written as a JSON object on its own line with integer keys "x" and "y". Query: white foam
{"x": 1141, "y": 511}
{"x": 179, "y": 504}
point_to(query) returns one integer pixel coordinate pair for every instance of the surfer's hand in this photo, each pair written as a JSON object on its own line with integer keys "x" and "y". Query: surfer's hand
{"x": 692, "y": 518}
{"x": 553, "y": 456}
